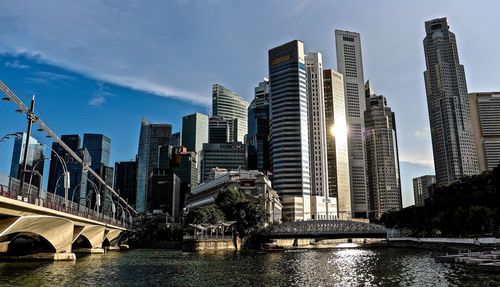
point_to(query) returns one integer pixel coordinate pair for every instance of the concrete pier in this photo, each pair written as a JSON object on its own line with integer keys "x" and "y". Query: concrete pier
{"x": 66, "y": 256}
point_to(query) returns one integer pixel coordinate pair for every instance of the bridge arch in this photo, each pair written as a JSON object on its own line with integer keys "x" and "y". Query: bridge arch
{"x": 57, "y": 231}
{"x": 93, "y": 235}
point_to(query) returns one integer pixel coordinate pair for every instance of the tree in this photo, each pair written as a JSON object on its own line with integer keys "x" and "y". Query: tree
{"x": 206, "y": 214}
{"x": 227, "y": 200}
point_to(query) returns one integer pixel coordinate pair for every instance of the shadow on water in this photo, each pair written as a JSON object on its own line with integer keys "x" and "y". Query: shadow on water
{"x": 328, "y": 267}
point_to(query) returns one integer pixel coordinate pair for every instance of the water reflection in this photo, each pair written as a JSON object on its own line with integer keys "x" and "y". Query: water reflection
{"x": 338, "y": 267}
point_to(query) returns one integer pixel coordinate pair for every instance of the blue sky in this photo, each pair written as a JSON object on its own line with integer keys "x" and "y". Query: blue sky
{"x": 99, "y": 66}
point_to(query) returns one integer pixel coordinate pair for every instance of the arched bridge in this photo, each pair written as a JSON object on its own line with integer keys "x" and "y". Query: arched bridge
{"x": 325, "y": 229}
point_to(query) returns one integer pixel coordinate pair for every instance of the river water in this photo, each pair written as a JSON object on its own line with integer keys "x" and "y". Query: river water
{"x": 314, "y": 267}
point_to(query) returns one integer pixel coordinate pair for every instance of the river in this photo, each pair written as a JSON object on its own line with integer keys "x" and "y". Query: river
{"x": 314, "y": 267}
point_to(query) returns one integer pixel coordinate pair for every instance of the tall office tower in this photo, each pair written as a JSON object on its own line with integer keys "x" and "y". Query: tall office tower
{"x": 384, "y": 183}
{"x": 176, "y": 139}
{"x": 99, "y": 148}
{"x": 229, "y": 105}
{"x": 449, "y": 113}
{"x": 230, "y": 156}
{"x": 126, "y": 180}
{"x": 56, "y": 172}
{"x": 34, "y": 160}
{"x": 485, "y": 114}
{"x": 289, "y": 129}
{"x": 78, "y": 178}
{"x": 258, "y": 129}
{"x": 153, "y": 153}
{"x": 163, "y": 194}
{"x": 194, "y": 131}
{"x": 350, "y": 65}
{"x": 339, "y": 183}
{"x": 220, "y": 130}
{"x": 421, "y": 186}
{"x": 321, "y": 205}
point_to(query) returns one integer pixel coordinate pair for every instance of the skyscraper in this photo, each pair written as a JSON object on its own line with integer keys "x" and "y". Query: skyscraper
{"x": 384, "y": 183}
{"x": 176, "y": 139}
{"x": 229, "y": 105}
{"x": 220, "y": 130}
{"x": 339, "y": 183}
{"x": 99, "y": 148}
{"x": 258, "y": 129}
{"x": 350, "y": 65}
{"x": 194, "y": 131}
{"x": 126, "y": 180}
{"x": 449, "y": 113}
{"x": 421, "y": 186}
{"x": 56, "y": 171}
{"x": 320, "y": 201}
{"x": 230, "y": 156}
{"x": 485, "y": 113}
{"x": 34, "y": 160}
{"x": 153, "y": 152}
{"x": 289, "y": 129}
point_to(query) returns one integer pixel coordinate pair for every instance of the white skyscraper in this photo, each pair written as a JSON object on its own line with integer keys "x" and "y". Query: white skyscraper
{"x": 350, "y": 65}
{"x": 320, "y": 208}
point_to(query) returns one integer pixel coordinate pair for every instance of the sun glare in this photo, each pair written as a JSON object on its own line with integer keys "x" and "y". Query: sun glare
{"x": 338, "y": 130}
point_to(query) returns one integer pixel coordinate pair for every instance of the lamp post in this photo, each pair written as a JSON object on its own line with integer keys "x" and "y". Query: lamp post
{"x": 30, "y": 117}
{"x": 33, "y": 171}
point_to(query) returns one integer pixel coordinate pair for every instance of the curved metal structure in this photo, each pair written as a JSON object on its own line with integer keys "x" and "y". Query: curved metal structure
{"x": 330, "y": 229}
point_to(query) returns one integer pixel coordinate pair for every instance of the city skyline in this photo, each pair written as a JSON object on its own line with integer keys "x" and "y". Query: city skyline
{"x": 95, "y": 94}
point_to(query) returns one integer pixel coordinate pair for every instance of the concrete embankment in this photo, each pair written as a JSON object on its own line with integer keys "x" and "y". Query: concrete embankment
{"x": 445, "y": 244}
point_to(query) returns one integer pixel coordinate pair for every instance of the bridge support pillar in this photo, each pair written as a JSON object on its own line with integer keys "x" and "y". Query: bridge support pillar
{"x": 89, "y": 250}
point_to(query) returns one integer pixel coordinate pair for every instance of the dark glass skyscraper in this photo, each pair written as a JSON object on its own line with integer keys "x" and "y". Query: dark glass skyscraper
{"x": 220, "y": 130}
{"x": 447, "y": 99}
{"x": 126, "y": 180}
{"x": 99, "y": 148}
{"x": 34, "y": 160}
{"x": 289, "y": 129}
{"x": 153, "y": 152}
{"x": 258, "y": 129}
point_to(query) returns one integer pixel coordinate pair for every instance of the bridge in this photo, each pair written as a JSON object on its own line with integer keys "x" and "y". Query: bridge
{"x": 324, "y": 229}
{"x": 36, "y": 224}
{"x": 39, "y": 225}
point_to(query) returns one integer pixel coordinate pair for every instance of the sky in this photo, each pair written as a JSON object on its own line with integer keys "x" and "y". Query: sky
{"x": 100, "y": 66}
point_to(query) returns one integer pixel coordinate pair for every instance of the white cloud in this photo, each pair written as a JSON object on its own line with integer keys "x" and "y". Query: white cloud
{"x": 97, "y": 101}
{"x": 16, "y": 64}
{"x": 420, "y": 159}
{"x": 423, "y": 133}
{"x": 99, "y": 40}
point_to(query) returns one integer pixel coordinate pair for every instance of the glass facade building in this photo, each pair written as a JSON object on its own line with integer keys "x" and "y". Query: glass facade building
{"x": 230, "y": 106}
{"x": 289, "y": 129}
{"x": 230, "y": 156}
{"x": 153, "y": 152}
{"x": 194, "y": 131}
{"x": 258, "y": 129}
{"x": 339, "y": 183}
{"x": 126, "y": 180}
{"x": 34, "y": 160}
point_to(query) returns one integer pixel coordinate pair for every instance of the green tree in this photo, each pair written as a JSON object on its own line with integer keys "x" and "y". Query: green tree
{"x": 205, "y": 215}
{"x": 227, "y": 200}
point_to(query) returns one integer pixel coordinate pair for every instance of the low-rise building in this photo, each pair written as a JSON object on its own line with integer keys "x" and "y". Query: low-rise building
{"x": 253, "y": 183}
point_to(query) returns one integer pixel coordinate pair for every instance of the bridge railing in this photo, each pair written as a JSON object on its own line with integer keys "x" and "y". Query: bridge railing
{"x": 31, "y": 194}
